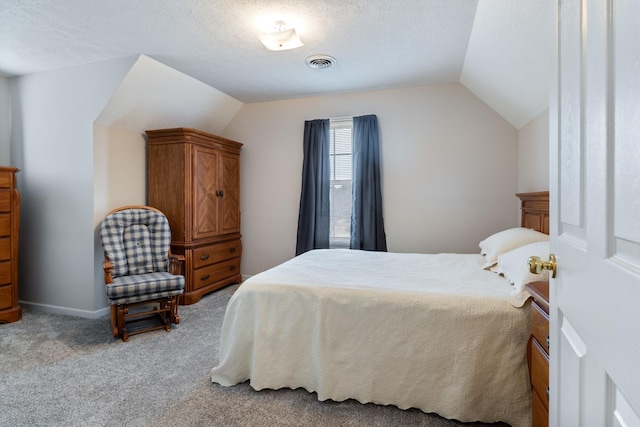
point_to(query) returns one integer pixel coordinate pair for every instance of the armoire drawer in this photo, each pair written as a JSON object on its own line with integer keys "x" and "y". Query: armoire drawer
{"x": 210, "y": 254}
{"x": 210, "y": 274}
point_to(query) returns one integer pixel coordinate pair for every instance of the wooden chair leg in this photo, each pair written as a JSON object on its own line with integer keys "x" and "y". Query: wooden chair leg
{"x": 114, "y": 321}
{"x": 175, "y": 318}
{"x": 122, "y": 312}
{"x": 165, "y": 305}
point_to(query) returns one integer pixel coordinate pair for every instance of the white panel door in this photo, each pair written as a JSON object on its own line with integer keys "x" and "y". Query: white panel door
{"x": 595, "y": 215}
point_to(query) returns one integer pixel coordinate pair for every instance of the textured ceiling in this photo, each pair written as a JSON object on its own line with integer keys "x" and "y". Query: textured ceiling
{"x": 377, "y": 43}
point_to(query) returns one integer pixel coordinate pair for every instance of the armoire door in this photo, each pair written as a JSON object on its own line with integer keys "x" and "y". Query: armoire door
{"x": 595, "y": 215}
{"x": 206, "y": 193}
{"x": 230, "y": 196}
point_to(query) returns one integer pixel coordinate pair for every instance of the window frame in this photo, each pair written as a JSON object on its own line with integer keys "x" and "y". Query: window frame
{"x": 336, "y": 242}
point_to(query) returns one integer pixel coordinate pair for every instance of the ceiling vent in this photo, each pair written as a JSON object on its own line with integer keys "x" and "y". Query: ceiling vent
{"x": 320, "y": 61}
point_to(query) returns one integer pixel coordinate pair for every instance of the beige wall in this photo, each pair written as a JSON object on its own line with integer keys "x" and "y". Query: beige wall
{"x": 119, "y": 179}
{"x": 5, "y": 122}
{"x": 119, "y": 173}
{"x": 446, "y": 157}
{"x": 445, "y": 154}
{"x": 533, "y": 154}
{"x": 52, "y": 131}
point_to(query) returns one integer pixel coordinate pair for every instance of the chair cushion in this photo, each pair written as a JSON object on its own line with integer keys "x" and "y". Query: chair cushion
{"x": 142, "y": 287}
{"x": 136, "y": 241}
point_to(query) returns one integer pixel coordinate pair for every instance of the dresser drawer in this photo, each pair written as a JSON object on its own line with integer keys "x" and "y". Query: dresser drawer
{"x": 5, "y": 273}
{"x": 5, "y": 179}
{"x": 207, "y": 275}
{"x": 5, "y": 248}
{"x": 5, "y": 200}
{"x": 540, "y": 414}
{"x": 5, "y": 224}
{"x": 540, "y": 325}
{"x": 10, "y": 311}
{"x": 540, "y": 372}
{"x": 207, "y": 255}
{"x": 5, "y": 297}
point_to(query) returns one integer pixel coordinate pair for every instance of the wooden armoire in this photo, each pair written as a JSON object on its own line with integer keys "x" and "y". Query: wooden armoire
{"x": 194, "y": 179}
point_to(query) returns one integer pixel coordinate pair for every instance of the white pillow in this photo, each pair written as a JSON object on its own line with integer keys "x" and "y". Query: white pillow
{"x": 514, "y": 267}
{"x": 504, "y": 241}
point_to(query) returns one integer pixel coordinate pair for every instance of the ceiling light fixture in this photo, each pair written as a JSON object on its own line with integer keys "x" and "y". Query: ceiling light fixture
{"x": 282, "y": 38}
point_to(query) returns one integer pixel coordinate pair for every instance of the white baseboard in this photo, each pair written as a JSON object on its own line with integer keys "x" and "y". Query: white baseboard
{"x": 47, "y": 308}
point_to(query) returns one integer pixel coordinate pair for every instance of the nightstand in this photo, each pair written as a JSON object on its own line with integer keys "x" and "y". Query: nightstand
{"x": 538, "y": 352}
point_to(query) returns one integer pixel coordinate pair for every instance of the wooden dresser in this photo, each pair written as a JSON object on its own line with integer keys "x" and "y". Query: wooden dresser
{"x": 194, "y": 179}
{"x": 538, "y": 352}
{"x": 10, "y": 311}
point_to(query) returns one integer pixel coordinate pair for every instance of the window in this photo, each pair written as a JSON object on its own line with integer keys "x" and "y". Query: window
{"x": 341, "y": 156}
{"x": 341, "y": 170}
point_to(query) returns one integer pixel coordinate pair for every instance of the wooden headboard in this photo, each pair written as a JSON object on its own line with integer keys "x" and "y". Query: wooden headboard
{"x": 535, "y": 210}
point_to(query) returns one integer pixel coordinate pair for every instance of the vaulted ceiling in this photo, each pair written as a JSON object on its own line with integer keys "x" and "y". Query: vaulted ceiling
{"x": 499, "y": 49}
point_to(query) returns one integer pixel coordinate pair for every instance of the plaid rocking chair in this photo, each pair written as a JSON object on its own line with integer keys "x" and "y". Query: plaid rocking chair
{"x": 142, "y": 277}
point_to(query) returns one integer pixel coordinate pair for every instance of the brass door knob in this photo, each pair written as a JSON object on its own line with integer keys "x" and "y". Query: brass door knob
{"x": 536, "y": 265}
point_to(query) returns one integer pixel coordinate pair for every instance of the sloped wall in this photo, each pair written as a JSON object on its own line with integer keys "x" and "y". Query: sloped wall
{"x": 508, "y": 60}
{"x": 155, "y": 96}
{"x": 69, "y": 133}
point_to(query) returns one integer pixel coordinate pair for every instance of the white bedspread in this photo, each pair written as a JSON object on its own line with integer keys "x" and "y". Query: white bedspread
{"x": 434, "y": 332}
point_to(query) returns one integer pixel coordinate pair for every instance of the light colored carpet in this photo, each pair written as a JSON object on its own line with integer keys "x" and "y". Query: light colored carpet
{"x": 58, "y": 370}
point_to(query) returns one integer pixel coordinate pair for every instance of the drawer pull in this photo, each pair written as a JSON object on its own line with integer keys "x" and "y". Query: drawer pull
{"x": 205, "y": 277}
{"x": 231, "y": 268}
{"x": 547, "y": 393}
{"x": 232, "y": 250}
{"x": 204, "y": 257}
{"x": 547, "y": 342}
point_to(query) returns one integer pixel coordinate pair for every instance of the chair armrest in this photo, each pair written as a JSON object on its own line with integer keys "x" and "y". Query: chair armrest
{"x": 108, "y": 269}
{"x": 175, "y": 264}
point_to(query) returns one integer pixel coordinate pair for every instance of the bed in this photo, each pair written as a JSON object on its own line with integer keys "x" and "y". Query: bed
{"x": 444, "y": 333}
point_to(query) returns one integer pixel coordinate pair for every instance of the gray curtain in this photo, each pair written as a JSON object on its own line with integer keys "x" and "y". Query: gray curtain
{"x": 314, "y": 214}
{"x": 367, "y": 224}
